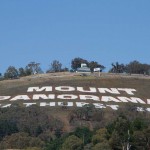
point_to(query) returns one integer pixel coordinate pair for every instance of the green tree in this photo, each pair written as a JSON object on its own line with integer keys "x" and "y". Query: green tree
{"x": 7, "y": 127}
{"x": 20, "y": 141}
{"x": 35, "y": 121}
{"x": 100, "y": 136}
{"x": 34, "y": 67}
{"x": 11, "y": 73}
{"x": 136, "y": 67}
{"x": 94, "y": 64}
{"x": 28, "y": 70}
{"x": 85, "y": 113}
{"x": 139, "y": 124}
{"x": 21, "y": 72}
{"x": 102, "y": 146}
{"x": 119, "y": 131}
{"x": 1, "y": 77}
{"x": 83, "y": 133}
{"x": 147, "y": 135}
{"x": 55, "y": 66}
{"x": 55, "y": 144}
{"x": 72, "y": 143}
{"x": 117, "y": 68}
{"x": 139, "y": 140}
{"x": 76, "y": 63}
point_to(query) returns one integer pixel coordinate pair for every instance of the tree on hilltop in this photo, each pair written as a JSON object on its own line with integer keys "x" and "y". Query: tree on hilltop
{"x": 94, "y": 64}
{"x": 34, "y": 67}
{"x": 22, "y": 72}
{"x": 117, "y": 68}
{"x": 55, "y": 66}
{"x": 11, "y": 73}
{"x": 76, "y": 63}
{"x": 137, "y": 68}
{"x": 72, "y": 143}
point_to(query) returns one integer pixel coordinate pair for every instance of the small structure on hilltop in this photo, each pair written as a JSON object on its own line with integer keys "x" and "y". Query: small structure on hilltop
{"x": 83, "y": 68}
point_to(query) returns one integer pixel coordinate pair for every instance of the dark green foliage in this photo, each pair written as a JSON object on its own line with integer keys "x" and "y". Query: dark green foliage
{"x": 11, "y": 73}
{"x": 83, "y": 133}
{"x": 55, "y": 66}
{"x": 100, "y": 136}
{"x": 20, "y": 140}
{"x": 87, "y": 112}
{"x": 33, "y": 121}
{"x": 28, "y": 71}
{"x": 76, "y": 63}
{"x": 137, "y": 68}
{"x": 118, "y": 131}
{"x": 94, "y": 64}
{"x": 55, "y": 144}
{"x": 117, "y": 68}
{"x": 139, "y": 124}
{"x": 22, "y": 72}
{"x": 34, "y": 68}
{"x": 58, "y": 133}
{"x": 34, "y": 127}
{"x": 72, "y": 143}
{"x": 7, "y": 127}
{"x": 138, "y": 140}
{"x": 102, "y": 146}
{"x": 133, "y": 67}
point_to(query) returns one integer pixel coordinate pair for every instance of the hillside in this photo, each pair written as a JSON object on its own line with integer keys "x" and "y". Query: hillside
{"x": 63, "y": 97}
{"x": 13, "y": 88}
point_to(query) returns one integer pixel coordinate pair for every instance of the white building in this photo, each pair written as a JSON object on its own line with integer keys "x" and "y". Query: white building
{"x": 83, "y": 68}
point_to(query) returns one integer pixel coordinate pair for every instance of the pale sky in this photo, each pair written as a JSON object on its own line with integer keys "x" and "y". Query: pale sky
{"x": 105, "y": 31}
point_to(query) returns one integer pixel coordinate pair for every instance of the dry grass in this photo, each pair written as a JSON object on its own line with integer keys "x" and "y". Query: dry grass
{"x": 20, "y": 86}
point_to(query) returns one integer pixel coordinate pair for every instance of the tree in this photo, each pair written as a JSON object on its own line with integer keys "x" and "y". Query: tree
{"x": 83, "y": 133}
{"x": 147, "y": 135}
{"x": 119, "y": 131}
{"x": 139, "y": 141}
{"x": 139, "y": 124}
{"x": 55, "y": 144}
{"x": 102, "y": 146}
{"x": 55, "y": 66}
{"x": 117, "y": 68}
{"x": 7, "y": 127}
{"x": 64, "y": 69}
{"x": 28, "y": 70}
{"x": 20, "y": 140}
{"x": 84, "y": 113}
{"x": 38, "y": 121}
{"x": 76, "y": 63}
{"x": 22, "y": 72}
{"x": 94, "y": 64}
{"x": 100, "y": 136}
{"x": 72, "y": 143}
{"x": 137, "y": 68}
{"x": 34, "y": 67}
{"x": 1, "y": 77}
{"x": 11, "y": 73}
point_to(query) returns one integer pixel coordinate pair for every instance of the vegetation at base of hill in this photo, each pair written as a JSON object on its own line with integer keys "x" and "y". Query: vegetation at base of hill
{"x": 37, "y": 128}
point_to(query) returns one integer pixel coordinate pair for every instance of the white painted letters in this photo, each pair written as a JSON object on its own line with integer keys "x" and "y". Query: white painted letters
{"x": 37, "y": 89}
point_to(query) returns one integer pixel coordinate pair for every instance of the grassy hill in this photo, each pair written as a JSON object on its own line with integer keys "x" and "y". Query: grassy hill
{"x": 20, "y": 86}
{"x": 44, "y": 123}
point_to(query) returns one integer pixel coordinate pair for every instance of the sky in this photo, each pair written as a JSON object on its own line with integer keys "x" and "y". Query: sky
{"x": 105, "y": 31}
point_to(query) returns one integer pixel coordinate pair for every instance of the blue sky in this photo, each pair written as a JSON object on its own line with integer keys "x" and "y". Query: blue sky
{"x": 101, "y": 30}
